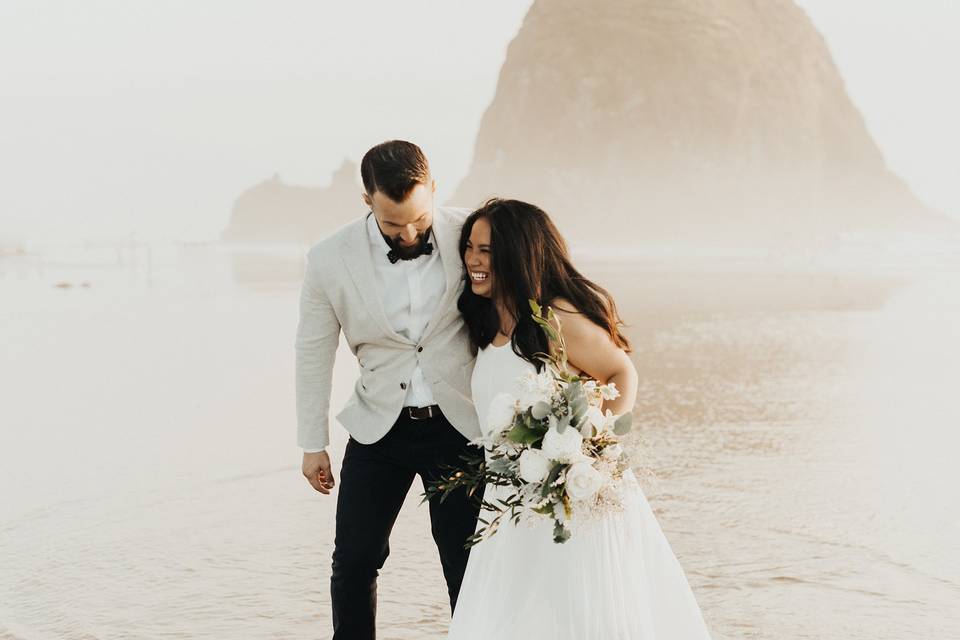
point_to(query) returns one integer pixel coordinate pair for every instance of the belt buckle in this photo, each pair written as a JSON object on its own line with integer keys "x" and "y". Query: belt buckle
{"x": 411, "y": 412}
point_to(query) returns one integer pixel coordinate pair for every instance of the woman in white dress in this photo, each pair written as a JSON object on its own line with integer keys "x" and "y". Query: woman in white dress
{"x": 617, "y": 578}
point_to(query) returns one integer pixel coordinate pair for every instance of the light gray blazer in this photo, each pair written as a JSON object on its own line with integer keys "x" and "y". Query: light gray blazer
{"x": 340, "y": 293}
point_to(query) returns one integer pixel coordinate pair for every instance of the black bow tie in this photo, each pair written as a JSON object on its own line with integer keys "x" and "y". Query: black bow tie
{"x": 426, "y": 250}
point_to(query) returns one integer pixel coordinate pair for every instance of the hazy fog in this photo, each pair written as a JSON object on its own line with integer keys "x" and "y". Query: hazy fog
{"x": 150, "y": 118}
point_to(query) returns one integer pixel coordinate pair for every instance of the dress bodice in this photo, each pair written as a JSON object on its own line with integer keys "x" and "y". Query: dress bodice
{"x": 496, "y": 371}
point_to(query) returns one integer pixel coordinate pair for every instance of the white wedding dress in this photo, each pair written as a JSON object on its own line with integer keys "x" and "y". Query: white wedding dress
{"x": 618, "y": 579}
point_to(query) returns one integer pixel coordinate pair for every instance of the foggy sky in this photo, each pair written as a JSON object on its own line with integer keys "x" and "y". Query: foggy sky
{"x": 125, "y": 117}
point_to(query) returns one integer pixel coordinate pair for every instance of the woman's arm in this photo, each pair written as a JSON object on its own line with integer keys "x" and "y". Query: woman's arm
{"x": 591, "y": 350}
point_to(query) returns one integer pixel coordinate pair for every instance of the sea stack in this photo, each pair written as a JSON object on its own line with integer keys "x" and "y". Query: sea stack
{"x": 276, "y": 212}
{"x": 637, "y": 122}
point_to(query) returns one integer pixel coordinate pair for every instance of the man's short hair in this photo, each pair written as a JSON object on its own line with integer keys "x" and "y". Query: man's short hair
{"x": 394, "y": 168}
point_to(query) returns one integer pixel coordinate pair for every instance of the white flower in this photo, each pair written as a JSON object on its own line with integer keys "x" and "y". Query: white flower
{"x": 609, "y": 391}
{"x": 583, "y": 481}
{"x": 500, "y": 413}
{"x": 562, "y": 447}
{"x": 594, "y": 418}
{"x": 536, "y": 387}
{"x": 612, "y": 452}
{"x": 599, "y": 420}
{"x": 534, "y": 466}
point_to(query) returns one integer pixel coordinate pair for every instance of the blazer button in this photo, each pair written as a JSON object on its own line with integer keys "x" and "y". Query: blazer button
{"x": 403, "y": 385}
{"x": 419, "y": 349}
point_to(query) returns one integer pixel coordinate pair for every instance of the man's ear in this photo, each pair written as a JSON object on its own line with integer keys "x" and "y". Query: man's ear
{"x": 366, "y": 200}
{"x": 433, "y": 185}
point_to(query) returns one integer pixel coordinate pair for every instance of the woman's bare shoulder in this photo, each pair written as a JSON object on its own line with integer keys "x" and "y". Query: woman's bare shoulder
{"x": 562, "y": 306}
{"x": 573, "y": 322}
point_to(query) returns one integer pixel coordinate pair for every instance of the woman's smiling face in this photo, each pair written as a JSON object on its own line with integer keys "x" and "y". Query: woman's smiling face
{"x": 476, "y": 257}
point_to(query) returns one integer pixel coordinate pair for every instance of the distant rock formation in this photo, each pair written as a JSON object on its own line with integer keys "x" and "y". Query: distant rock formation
{"x": 674, "y": 121}
{"x": 274, "y": 211}
{"x": 11, "y": 247}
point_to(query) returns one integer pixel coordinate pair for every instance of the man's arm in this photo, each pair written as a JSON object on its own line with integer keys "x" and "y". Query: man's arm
{"x": 318, "y": 334}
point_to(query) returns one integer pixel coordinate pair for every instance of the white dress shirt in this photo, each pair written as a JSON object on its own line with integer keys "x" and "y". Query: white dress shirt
{"x": 410, "y": 291}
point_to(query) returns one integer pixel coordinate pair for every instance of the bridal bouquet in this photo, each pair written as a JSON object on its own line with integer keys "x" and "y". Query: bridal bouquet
{"x": 552, "y": 452}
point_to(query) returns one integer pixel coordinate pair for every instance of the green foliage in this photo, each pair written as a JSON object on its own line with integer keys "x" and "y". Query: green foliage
{"x": 545, "y": 510}
{"x": 499, "y": 465}
{"x": 470, "y": 477}
{"x": 554, "y": 335}
{"x": 564, "y": 421}
{"x": 577, "y": 399}
{"x": 623, "y": 424}
{"x": 540, "y": 410}
{"x": 551, "y": 478}
{"x": 523, "y": 434}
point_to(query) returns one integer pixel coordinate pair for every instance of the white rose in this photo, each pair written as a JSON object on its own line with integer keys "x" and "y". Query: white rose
{"x": 534, "y": 466}
{"x": 500, "y": 413}
{"x": 562, "y": 447}
{"x": 583, "y": 481}
{"x": 536, "y": 387}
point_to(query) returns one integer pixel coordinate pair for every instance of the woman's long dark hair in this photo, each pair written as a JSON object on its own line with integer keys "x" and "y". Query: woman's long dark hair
{"x": 529, "y": 260}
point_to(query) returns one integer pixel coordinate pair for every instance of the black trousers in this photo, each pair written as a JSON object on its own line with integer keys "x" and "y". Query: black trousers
{"x": 374, "y": 480}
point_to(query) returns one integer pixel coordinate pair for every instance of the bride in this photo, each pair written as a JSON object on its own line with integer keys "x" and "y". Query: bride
{"x": 617, "y": 578}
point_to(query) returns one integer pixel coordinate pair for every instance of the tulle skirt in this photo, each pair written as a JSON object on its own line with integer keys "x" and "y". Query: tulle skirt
{"x": 615, "y": 579}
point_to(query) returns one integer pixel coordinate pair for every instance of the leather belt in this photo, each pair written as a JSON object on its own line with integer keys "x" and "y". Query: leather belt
{"x": 421, "y": 413}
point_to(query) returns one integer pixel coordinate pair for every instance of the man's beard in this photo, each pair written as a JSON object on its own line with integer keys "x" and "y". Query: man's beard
{"x": 409, "y": 252}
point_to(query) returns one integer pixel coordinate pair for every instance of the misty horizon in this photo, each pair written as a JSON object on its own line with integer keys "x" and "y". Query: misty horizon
{"x": 157, "y": 142}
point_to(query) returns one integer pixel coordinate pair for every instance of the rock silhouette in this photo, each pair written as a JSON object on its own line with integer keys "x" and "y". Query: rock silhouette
{"x": 274, "y": 211}
{"x": 673, "y": 121}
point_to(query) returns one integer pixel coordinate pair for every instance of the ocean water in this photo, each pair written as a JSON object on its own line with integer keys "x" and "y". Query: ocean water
{"x": 799, "y": 424}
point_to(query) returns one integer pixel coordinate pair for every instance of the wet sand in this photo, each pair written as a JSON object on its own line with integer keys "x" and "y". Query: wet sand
{"x": 799, "y": 425}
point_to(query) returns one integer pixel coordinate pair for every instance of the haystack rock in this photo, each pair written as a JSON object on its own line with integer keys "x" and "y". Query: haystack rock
{"x": 684, "y": 121}
{"x": 274, "y": 211}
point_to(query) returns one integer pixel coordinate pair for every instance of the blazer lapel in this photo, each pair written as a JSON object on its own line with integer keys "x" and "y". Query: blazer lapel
{"x": 358, "y": 258}
{"x": 447, "y": 238}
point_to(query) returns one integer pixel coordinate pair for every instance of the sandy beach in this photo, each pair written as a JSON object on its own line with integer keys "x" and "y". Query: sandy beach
{"x": 799, "y": 428}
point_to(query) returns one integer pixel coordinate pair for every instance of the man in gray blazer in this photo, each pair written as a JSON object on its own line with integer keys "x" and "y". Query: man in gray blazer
{"x": 390, "y": 282}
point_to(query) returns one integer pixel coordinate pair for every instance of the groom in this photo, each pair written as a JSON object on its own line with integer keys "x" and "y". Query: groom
{"x": 390, "y": 281}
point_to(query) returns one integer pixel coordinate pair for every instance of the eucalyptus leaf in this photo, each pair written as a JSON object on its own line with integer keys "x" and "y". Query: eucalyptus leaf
{"x": 573, "y": 390}
{"x": 579, "y": 408}
{"x": 533, "y": 424}
{"x": 521, "y": 434}
{"x": 551, "y": 478}
{"x": 586, "y": 429}
{"x": 623, "y": 424}
{"x": 564, "y": 422}
{"x": 540, "y": 410}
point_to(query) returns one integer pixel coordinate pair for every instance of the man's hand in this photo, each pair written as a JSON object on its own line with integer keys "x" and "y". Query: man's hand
{"x": 316, "y": 469}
